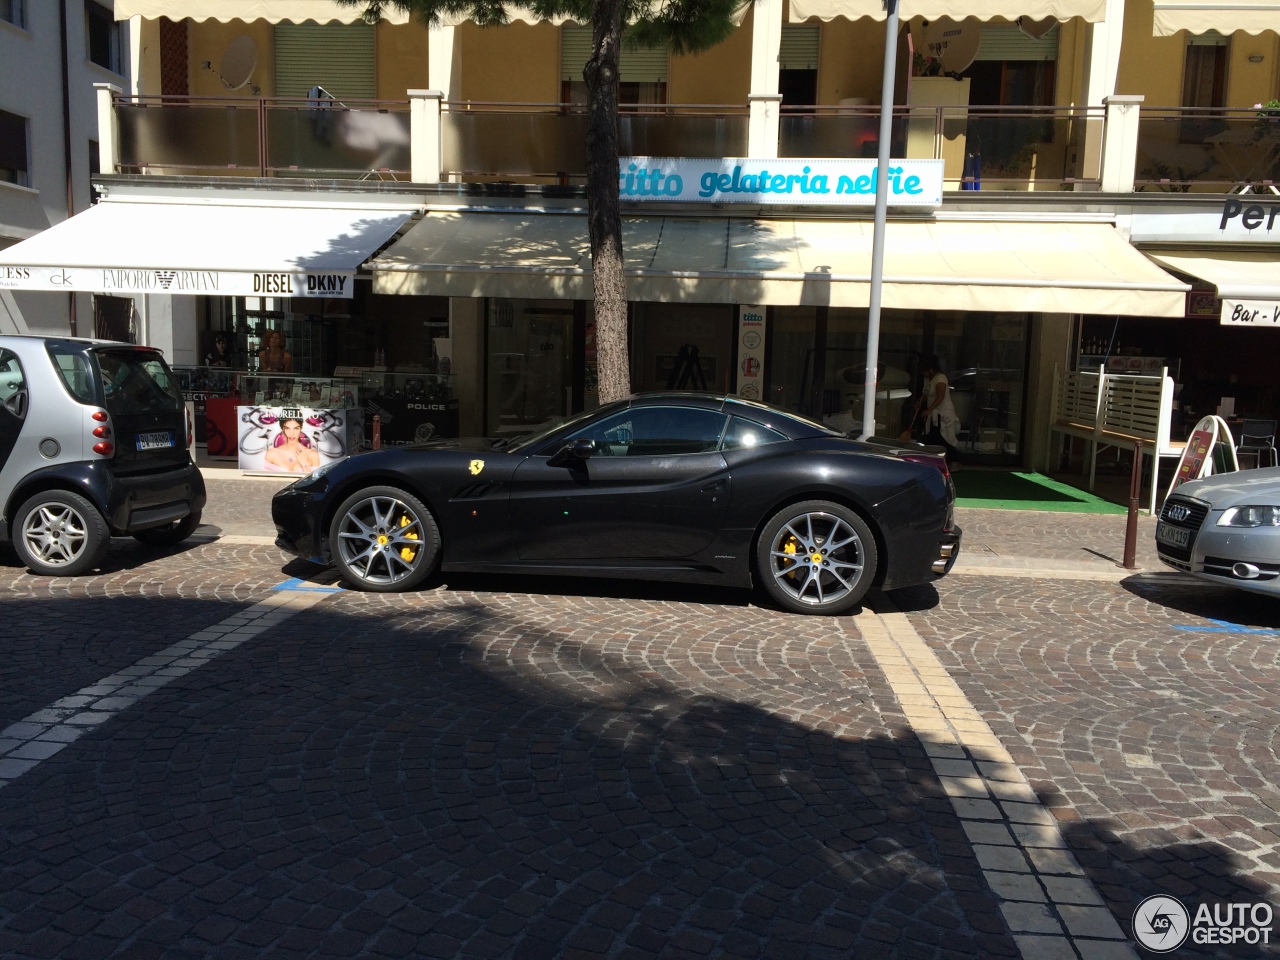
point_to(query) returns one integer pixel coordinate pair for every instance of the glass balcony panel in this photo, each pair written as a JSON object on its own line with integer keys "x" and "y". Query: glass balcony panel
{"x": 513, "y": 145}
{"x": 1183, "y": 150}
{"x": 189, "y": 138}
{"x": 338, "y": 141}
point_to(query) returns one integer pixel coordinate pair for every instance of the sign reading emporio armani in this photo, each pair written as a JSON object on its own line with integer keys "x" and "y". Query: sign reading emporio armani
{"x": 287, "y": 283}
{"x": 813, "y": 182}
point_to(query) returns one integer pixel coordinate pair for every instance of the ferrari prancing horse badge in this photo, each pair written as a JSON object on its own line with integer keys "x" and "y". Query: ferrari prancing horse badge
{"x": 476, "y": 466}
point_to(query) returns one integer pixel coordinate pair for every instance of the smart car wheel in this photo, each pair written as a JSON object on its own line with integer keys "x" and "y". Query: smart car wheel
{"x": 60, "y": 534}
{"x": 816, "y": 557}
{"x": 384, "y": 539}
{"x": 170, "y": 534}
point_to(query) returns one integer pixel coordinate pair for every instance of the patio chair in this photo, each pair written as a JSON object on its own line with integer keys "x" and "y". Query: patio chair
{"x": 1258, "y": 437}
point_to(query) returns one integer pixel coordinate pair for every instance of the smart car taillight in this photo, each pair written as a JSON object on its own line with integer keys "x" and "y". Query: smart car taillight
{"x": 104, "y": 448}
{"x": 100, "y": 416}
{"x": 102, "y": 433}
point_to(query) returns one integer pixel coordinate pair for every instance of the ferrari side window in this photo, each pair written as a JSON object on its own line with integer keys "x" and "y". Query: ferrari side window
{"x": 656, "y": 432}
{"x": 743, "y": 434}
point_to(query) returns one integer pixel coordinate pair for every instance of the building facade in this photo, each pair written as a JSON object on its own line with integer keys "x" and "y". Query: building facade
{"x": 1074, "y": 142}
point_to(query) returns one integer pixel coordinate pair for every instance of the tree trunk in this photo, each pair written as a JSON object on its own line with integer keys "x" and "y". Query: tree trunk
{"x": 605, "y": 222}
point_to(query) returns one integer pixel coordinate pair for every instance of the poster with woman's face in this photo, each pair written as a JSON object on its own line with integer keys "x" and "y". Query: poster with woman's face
{"x": 292, "y": 440}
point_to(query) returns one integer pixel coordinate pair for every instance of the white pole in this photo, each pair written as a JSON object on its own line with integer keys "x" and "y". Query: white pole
{"x": 882, "y": 214}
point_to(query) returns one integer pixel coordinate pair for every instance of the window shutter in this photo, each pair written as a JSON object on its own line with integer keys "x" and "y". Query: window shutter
{"x": 635, "y": 64}
{"x": 1007, "y": 42}
{"x": 1210, "y": 38}
{"x": 799, "y": 47}
{"x": 336, "y": 56}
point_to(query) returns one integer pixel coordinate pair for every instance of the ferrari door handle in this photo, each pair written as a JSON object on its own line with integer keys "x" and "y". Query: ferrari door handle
{"x": 713, "y": 487}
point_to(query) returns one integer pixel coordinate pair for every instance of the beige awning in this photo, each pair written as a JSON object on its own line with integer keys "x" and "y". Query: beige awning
{"x": 952, "y": 265}
{"x": 273, "y": 11}
{"x": 1238, "y": 274}
{"x": 1092, "y": 10}
{"x": 1203, "y": 16}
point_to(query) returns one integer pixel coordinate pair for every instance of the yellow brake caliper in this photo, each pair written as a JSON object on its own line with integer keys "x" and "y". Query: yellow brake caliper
{"x": 789, "y": 548}
{"x": 408, "y": 553}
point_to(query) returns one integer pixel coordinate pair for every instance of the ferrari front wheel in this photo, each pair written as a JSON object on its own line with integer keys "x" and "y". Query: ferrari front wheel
{"x": 384, "y": 539}
{"x": 816, "y": 557}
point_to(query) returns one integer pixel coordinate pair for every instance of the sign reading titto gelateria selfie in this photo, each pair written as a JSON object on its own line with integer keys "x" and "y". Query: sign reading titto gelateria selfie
{"x": 795, "y": 182}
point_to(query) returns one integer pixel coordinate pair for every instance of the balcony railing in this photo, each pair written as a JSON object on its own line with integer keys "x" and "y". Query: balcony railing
{"x": 1186, "y": 149}
{"x": 983, "y": 148}
{"x": 546, "y": 142}
{"x": 266, "y": 137}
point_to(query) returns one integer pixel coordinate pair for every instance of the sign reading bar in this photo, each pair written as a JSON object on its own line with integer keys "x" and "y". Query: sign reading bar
{"x": 286, "y": 283}
{"x": 1250, "y": 313}
{"x": 813, "y": 182}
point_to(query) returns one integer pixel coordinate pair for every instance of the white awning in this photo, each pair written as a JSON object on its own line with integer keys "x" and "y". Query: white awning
{"x": 1094, "y": 11}
{"x": 1238, "y": 274}
{"x": 273, "y": 11}
{"x": 1203, "y": 16}
{"x": 952, "y": 265}
{"x": 133, "y": 246}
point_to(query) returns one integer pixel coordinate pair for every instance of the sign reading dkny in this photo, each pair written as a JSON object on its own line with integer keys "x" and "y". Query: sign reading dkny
{"x": 208, "y": 282}
{"x": 814, "y": 182}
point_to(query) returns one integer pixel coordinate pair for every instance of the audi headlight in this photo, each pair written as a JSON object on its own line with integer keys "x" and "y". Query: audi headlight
{"x": 1250, "y": 516}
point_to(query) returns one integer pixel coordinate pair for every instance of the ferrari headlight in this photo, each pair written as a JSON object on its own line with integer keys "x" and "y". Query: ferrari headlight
{"x": 317, "y": 473}
{"x": 1250, "y": 516}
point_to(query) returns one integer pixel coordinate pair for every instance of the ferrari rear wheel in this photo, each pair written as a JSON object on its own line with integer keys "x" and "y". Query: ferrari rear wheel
{"x": 384, "y": 539}
{"x": 816, "y": 557}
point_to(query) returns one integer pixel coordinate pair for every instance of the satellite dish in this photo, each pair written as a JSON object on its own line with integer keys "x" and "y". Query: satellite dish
{"x": 1036, "y": 29}
{"x": 953, "y": 44}
{"x": 238, "y": 62}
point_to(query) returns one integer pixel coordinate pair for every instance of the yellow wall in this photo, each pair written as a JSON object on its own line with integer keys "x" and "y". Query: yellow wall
{"x": 402, "y": 59}
{"x": 850, "y": 60}
{"x": 721, "y": 75}
{"x": 1151, "y": 66}
{"x": 518, "y": 62}
{"x": 149, "y": 69}
{"x": 209, "y": 39}
{"x": 1250, "y": 83}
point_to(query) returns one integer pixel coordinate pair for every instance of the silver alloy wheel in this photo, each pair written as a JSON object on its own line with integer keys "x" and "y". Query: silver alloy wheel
{"x": 817, "y": 558}
{"x": 375, "y": 535}
{"x": 55, "y": 534}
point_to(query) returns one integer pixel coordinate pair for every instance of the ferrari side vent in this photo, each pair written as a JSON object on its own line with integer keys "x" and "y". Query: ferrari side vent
{"x": 473, "y": 491}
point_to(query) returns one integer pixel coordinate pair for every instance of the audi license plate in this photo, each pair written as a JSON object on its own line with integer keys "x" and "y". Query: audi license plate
{"x": 154, "y": 441}
{"x": 1173, "y": 536}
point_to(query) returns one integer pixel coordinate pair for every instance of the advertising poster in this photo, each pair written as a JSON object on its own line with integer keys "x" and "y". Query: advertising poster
{"x": 751, "y": 352}
{"x": 296, "y": 440}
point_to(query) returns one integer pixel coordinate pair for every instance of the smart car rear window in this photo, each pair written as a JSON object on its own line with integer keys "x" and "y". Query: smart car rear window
{"x": 136, "y": 382}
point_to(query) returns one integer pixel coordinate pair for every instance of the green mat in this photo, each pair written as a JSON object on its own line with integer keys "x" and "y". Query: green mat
{"x": 1001, "y": 490}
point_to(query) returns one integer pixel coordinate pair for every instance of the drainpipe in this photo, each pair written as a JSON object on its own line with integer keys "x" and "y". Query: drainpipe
{"x": 66, "y": 144}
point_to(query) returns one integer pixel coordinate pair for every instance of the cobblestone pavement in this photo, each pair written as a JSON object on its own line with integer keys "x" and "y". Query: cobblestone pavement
{"x": 1148, "y": 729}
{"x": 524, "y": 767}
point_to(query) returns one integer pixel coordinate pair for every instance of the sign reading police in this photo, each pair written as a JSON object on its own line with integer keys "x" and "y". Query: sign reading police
{"x": 814, "y": 182}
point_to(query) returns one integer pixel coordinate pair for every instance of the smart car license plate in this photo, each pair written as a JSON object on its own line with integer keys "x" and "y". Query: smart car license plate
{"x": 154, "y": 441}
{"x": 1173, "y": 536}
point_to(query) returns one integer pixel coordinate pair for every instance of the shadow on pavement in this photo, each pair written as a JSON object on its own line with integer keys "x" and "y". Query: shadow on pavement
{"x": 448, "y": 782}
{"x": 1205, "y": 600}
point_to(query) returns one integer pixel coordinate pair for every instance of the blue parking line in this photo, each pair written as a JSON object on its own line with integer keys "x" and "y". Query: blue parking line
{"x": 1226, "y": 626}
{"x": 303, "y": 586}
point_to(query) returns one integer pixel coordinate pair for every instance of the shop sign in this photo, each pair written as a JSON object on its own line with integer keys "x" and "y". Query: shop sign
{"x": 796, "y": 182}
{"x": 751, "y": 352}
{"x": 1235, "y": 220}
{"x": 1250, "y": 313}
{"x": 277, "y": 283}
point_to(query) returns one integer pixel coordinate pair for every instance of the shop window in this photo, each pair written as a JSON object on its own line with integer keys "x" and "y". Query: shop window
{"x": 14, "y": 12}
{"x": 13, "y": 150}
{"x": 102, "y": 36}
{"x": 655, "y": 432}
{"x": 529, "y": 369}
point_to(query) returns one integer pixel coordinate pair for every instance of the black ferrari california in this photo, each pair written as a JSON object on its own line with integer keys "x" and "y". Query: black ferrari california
{"x": 661, "y": 486}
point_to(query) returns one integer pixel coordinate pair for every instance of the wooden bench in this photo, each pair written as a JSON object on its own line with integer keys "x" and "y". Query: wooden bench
{"x": 1116, "y": 410}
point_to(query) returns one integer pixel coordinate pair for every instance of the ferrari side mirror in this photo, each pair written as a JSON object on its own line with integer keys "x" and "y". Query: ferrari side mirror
{"x": 571, "y": 453}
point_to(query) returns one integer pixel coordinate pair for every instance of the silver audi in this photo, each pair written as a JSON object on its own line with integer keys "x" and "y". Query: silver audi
{"x": 1225, "y": 529}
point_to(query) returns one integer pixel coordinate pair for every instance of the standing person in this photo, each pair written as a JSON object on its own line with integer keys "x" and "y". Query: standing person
{"x": 274, "y": 358}
{"x": 936, "y": 409}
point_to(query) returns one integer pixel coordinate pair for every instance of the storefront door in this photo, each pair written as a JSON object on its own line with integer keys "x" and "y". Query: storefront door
{"x": 656, "y": 487}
